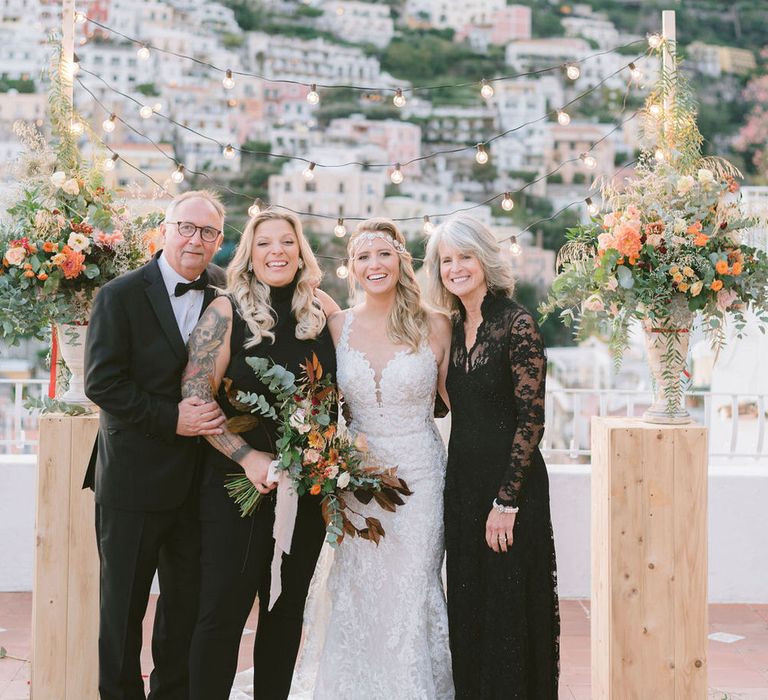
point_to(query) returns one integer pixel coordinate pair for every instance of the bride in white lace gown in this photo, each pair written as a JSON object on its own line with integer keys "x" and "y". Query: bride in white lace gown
{"x": 376, "y": 626}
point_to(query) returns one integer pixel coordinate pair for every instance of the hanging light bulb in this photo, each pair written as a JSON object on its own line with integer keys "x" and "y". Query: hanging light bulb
{"x": 109, "y": 163}
{"x": 312, "y": 96}
{"x": 309, "y": 172}
{"x": 514, "y": 246}
{"x": 143, "y": 52}
{"x": 572, "y": 71}
{"x": 655, "y": 40}
{"x": 486, "y": 89}
{"x": 397, "y": 175}
{"x": 157, "y": 107}
{"x": 228, "y": 81}
{"x": 229, "y": 151}
{"x": 80, "y": 17}
{"x": 429, "y": 227}
{"x": 635, "y": 72}
{"x": 507, "y": 204}
{"x": 563, "y": 118}
{"x": 342, "y": 271}
{"x": 655, "y": 110}
{"x": 659, "y": 155}
{"x": 145, "y": 112}
{"x": 589, "y": 160}
{"x": 482, "y": 155}
{"x": 399, "y": 98}
{"x": 76, "y": 127}
{"x": 254, "y": 209}
{"x": 592, "y": 208}
{"x": 340, "y": 230}
{"x": 109, "y": 124}
{"x": 178, "y": 175}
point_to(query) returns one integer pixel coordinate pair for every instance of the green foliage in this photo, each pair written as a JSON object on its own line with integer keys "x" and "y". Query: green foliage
{"x": 232, "y": 41}
{"x": 308, "y": 11}
{"x": 21, "y": 85}
{"x": 49, "y": 405}
{"x": 148, "y": 89}
{"x": 249, "y": 14}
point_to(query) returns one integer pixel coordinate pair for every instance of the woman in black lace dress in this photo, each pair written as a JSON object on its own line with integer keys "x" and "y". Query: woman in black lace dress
{"x": 502, "y": 582}
{"x": 272, "y": 309}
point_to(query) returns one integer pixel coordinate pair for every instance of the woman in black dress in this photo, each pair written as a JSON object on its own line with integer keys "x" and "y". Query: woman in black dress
{"x": 273, "y": 309}
{"x": 501, "y": 576}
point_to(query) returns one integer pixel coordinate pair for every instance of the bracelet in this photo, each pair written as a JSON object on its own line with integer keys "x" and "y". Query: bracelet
{"x": 499, "y": 508}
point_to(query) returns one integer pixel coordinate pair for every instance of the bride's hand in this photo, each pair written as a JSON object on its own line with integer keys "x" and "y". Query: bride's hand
{"x": 499, "y": 530}
{"x": 256, "y": 466}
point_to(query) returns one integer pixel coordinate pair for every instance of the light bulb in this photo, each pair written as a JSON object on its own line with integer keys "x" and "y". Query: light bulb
{"x": 229, "y": 152}
{"x": 312, "y": 96}
{"x": 572, "y": 71}
{"x": 397, "y": 175}
{"x": 486, "y": 89}
{"x": 507, "y": 204}
{"x": 157, "y": 107}
{"x": 590, "y": 161}
{"x": 143, "y": 53}
{"x": 342, "y": 272}
{"x": 429, "y": 227}
{"x": 145, "y": 112}
{"x": 178, "y": 175}
{"x": 76, "y": 127}
{"x": 80, "y": 17}
{"x": 563, "y": 118}
{"x": 254, "y": 209}
{"x": 109, "y": 163}
{"x": 655, "y": 110}
{"x": 228, "y": 81}
{"x": 592, "y": 208}
{"x": 109, "y": 124}
{"x": 514, "y": 246}
{"x": 339, "y": 230}
{"x": 482, "y": 155}
{"x": 659, "y": 155}
{"x": 655, "y": 40}
{"x": 399, "y": 98}
{"x": 309, "y": 172}
{"x": 635, "y": 72}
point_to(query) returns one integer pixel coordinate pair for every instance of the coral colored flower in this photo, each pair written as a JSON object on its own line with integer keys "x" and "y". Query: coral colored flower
{"x": 73, "y": 264}
{"x": 633, "y": 212}
{"x": 733, "y": 186}
{"x": 610, "y": 219}
{"x": 627, "y": 239}
{"x": 315, "y": 490}
{"x": 29, "y": 273}
{"x": 726, "y": 297}
{"x": 716, "y": 286}
{"x": 58, "y": 259}
{"x": 49, "y": 246}
{"x": 15, "y": 255}
{"x": 683, "y": 287}
{"x": 677, "y": 278}
{"x": 721, "y": 267}
{"x": 737, "y": 268}
{"x": 700, "y": 240}
{"x": 695, "y": 228}
{"x": 42, "y": 276}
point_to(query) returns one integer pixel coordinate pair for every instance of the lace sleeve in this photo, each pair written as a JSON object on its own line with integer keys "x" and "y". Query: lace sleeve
{"x": 528, "y": 362}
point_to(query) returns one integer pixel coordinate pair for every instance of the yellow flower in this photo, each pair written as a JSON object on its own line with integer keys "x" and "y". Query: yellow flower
{"x": 674, "y": 270}
{"x": 677, "y": 277}
{"x": 683, "y": 287}
{"x": 688, "y": 272}
{"x": 315, "y": 440}
{"x": 696, "y": 288}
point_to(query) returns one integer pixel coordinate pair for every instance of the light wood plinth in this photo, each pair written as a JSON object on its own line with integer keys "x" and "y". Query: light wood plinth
{"x": 65, "y": 598}
{"x": 649, "y": 560}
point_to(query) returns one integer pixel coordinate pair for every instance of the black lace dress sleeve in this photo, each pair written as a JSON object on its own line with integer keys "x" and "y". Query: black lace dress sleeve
{"x": 528, "y": 364}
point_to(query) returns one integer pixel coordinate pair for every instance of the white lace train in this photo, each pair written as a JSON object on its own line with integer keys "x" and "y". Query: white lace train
{"x": 376, "y": 623}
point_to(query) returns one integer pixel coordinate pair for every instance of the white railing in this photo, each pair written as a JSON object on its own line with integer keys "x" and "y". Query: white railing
{"x": 736, "y": 422}
{"x": 18, "y": 426}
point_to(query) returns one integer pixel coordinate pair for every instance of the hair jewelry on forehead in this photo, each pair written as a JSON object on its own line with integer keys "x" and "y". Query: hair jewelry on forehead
{"x": 370, "y": 236}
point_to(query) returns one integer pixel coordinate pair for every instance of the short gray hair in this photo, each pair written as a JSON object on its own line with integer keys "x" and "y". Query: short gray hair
{"x": 207, "y": 195}
{"x": 471, "y": 236}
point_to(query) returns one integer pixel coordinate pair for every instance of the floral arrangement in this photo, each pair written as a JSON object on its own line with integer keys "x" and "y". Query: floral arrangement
{"x": 63, "y": 234}
{"x": 321, "y": 459}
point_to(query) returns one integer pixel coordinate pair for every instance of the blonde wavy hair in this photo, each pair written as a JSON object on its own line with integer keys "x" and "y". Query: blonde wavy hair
{"x": 408, "y": 322}
{"x": 472, "y": 237}
{"x": 252, "y": 296}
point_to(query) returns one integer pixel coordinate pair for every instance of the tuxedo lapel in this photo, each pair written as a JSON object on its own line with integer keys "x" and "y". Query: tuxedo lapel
{"x": 209, "y": 294}
{"x": 157, "y": 294}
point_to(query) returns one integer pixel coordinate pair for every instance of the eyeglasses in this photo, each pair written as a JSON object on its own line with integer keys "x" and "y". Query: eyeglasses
{"x": 188, "y": 229}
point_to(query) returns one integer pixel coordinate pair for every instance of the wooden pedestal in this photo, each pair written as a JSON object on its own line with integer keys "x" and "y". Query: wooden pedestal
{"x": 649, "y": 560}
{"x": 65, "y": 599}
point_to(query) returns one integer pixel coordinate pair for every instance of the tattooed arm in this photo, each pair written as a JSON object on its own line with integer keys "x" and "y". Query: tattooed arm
{"x": 208, "y": 360}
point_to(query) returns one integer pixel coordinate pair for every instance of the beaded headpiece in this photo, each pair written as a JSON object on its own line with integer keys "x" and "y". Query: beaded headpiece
{"x": 370, "y": 236}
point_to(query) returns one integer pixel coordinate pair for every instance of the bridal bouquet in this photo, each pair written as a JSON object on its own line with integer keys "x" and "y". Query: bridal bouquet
{"x": 320, "y": 459}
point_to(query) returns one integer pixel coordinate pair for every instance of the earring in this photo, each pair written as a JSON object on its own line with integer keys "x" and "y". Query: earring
{"x": 250, "y": 266}
{"x": 301, "y": 264}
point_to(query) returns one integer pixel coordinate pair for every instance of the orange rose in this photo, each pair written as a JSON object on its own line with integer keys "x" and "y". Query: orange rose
{"x": 736, "y": 269}
{"x": 315, "y": 489}
{"x": 700, "y": 240}
{"x": 29, "y": 273}
{"x": 73, "y": 263}
{"x": 49, "y": 247}
{"x": 695, "y": 229}
{"x": 721, "y": 266}
{"x": 716, "y": 286}
{"x": 42, "y": 276}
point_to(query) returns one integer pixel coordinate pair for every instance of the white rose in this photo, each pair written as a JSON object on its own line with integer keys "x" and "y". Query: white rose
{"x": 15, "y": 255}
{"x": 71, "y": 186}
{"x": 304, "y": 428}
{"x": 333, "y": 471}
{"x": 78, "y": 241}
{"x": 680, "y": 226}
{"x": 685, "y": 184}
{"x": 706, "y": 176}
{"x": 343, "y": 480}
{"x": 58, "y": 178}
{"x": 297, "y": 419}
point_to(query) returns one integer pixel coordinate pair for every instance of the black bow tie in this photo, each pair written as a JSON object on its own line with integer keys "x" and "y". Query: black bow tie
{"x": 183, "y": 287}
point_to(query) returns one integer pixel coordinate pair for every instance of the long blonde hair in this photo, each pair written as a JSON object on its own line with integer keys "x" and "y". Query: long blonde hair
{"x": 407, "y": 322}
{"x": 468, "y": 235}
{"x": 252, "y": 296}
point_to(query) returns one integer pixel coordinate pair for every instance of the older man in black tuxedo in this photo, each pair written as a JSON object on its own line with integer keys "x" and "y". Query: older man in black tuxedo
{"x": 145, "y": 466}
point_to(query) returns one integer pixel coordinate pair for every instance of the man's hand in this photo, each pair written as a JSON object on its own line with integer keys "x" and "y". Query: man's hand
{"x": 197, "y": 417}
{"x": 256, "y": 466}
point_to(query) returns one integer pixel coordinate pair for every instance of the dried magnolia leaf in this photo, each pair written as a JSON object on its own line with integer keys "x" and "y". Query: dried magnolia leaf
{"x": 231, "y": 394}
{"x": 364, "y": 496}
{"x": 384, "y": 501}
{"x": 242, "y": 424}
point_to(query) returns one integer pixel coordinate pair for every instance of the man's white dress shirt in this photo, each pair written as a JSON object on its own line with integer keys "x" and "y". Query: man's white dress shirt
{"x": 187, "y": 307}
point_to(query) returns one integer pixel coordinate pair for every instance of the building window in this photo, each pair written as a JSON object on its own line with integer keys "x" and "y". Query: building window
{"x": 341, "y": 188}
{"x": 287, "y": 186}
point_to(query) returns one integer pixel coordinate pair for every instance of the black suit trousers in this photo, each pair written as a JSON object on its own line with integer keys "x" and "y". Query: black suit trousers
{"x": 132, "y": 546}
{"x": 235, "y": 567}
